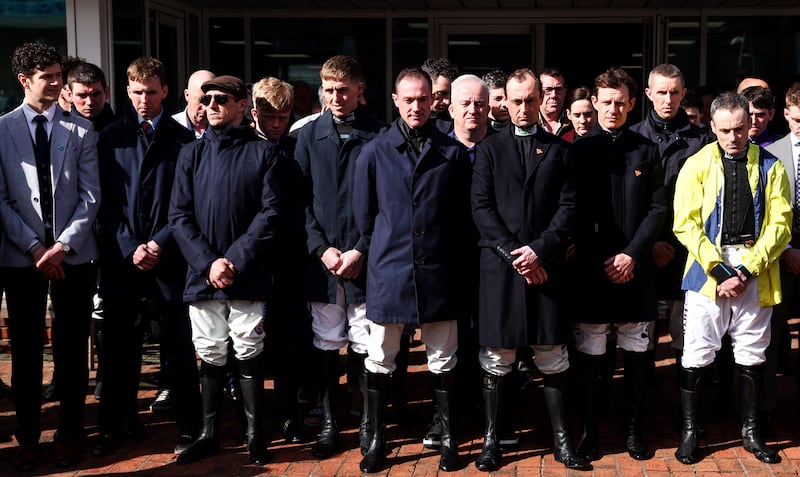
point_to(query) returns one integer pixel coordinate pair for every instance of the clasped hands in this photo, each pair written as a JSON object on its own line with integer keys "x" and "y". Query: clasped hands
{"x": 529, "y": 266}
{"x": 343, "y": 264}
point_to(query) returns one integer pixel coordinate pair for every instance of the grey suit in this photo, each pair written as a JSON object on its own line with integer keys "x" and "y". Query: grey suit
{"x": 76, "y": 199}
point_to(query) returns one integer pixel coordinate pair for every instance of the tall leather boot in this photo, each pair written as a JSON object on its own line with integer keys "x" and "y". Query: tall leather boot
{"x": 491, "y": 454}
{"x": 635, "y": 368}
{"x": 690, "y": 399}
{"x": 554, "y": 387}
{"x": 212, "y": 380}
{"x": 365, "y": 431}
{"x": 448, "y": 451}
{"x": 399, "y": 396}
{"x": 751, "y": 381}
{"x": 252, "y": 383}
{"x": 590, "y": 369}
{"x": 377, "y": 391}
{"x": 329, "y": 434}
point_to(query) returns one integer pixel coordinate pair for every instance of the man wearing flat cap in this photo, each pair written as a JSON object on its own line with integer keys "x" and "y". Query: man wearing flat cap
{"x": 224, "y": 215}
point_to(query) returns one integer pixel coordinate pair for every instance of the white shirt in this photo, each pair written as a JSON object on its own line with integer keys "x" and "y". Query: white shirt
{"x": 30, "y": 114}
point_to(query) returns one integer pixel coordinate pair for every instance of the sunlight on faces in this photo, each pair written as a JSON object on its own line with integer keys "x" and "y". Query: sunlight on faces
{"x": 470, "y": 106}
{"x": 759, "y": 119}
{"x": 147, "y": 96}
{"x": 730, "y": 128}
{"x": 230, "y": 114}
{"x": 666, "y": 95}
{"x": 413, "y": 100}
{"x": 441, "y": 94}
{"x": 43, "y": 85}
{"x": 342, "y": 96}
{"x": 522, "y": 101}
{"x": 582, "y": 115}
{"x": 88, "y": 100}
{"x": 613, "y": 106}
{"x": 497, "y": 102}
{"x": 792, "y": 115}
{"x": 554, "y": 93}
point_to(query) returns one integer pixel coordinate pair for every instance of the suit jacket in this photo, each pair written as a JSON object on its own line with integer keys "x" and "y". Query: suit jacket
{"x": 76, "y": 188}
{"x": 138, "y": 179}
{"x": 782, "y": 149}
{"x": 512, "y": 209}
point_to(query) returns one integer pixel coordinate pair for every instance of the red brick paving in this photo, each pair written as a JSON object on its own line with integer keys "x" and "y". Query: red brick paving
{"x": 721, "y": 448}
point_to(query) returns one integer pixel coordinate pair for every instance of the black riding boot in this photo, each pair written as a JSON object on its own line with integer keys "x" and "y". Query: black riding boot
{"x": 635, "y": 367}
{"x": 554, "y": 387}
{"x": 443, "y": 390}
{"x": 364, "y": 430}
{"x": 212, "y": 380}
{"x": 252, "y": 384}
{"x": 491, "y": 454}
{"x": 690, "y": 401}
{"x": 329, "y": 434}
{"x": 377, "y": 390}
{"x": 751, "y": 381}
{"x": 399, "y": 396}
{"x": 590, "y": 373}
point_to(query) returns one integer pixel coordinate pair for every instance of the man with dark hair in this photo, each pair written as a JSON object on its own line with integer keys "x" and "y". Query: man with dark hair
{"x": 141, "y": 268}
{"x": 89, "y": 93}
{"x": 336, "y": 276}
{"x": 50, "y": 196}
{"x": 442, "y": 72}
{"x": 732, "y": 213}
{"x": 762, "y": 110}
{"x": 498, "y": 113}
{"x": 227, "y": 238}
{"x": 411, "y": 205}
{"x": 692, "y": 105}
{"x": 67, "y": 63}
{"x": 667, "y": 125}
{"x": 621, "y": 211}
{"x": 523, "y": 296}
{"x": 554, "y": 93}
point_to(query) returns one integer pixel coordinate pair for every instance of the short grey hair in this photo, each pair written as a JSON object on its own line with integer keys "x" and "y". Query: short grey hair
{"x": 467, "y": 79}
{"x": 730, "y": 101}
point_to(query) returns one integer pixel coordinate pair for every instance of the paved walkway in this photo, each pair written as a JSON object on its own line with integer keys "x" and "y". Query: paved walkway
{"x": 152, "y": 456}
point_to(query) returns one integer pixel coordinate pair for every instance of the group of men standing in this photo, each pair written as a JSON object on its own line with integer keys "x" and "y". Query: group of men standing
{"x": 401, "y": 222}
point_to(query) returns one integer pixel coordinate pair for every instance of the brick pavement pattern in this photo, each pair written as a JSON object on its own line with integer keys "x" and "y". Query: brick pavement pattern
{"x": 152, "y": 456}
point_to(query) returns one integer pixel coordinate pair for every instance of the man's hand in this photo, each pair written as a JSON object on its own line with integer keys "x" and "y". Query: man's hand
{"x": 146, "y": 257}
{"x": 663, "y": 253}
{"x": 352, "y": 261}
{"x": 332, "y": 259}
{"x": 48, "y": 261}
{"x": 221, "y": 273}
{"x": 619, "y": 268}
{"x": 731, "y": 287}
{"x": 791, "y": 260}
{"x": 527, "y": 261}
{"x": 536, "y": 277}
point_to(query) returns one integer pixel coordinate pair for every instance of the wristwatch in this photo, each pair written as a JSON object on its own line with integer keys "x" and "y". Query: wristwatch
{"x": 65, "y": 247}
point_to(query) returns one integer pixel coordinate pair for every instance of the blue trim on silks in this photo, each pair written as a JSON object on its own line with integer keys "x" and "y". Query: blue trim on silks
{"x": 713, "y": 221}
{"x": 765, "y": 163}
{"x": 695, "y": 278}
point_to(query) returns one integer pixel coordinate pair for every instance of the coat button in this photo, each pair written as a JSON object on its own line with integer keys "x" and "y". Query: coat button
{"x": 36, "y": 199}
{"x": 415, "y": 203}
{"x": 415, "y": 233}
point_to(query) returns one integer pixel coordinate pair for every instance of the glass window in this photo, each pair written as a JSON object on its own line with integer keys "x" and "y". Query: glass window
{"x": 739, "y": 47}
{"x": 226, "y": 46}
{"x": 128, "y": 45}
{"x": 43, "y": 21}
{"x": 295, "y": 49}
{"x": 478, "y": 54}
{"x": 683, "y": 47}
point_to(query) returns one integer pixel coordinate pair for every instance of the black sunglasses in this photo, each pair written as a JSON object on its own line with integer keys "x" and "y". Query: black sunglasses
{"x": 221, "y": 99}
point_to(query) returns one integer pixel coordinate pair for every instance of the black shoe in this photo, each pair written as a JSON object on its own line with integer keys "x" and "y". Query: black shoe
{"x": 106, "y": 444}
{"x": 292, "y": 433}
{"x": 162, "y": 402}
{"x": 184, "y": 441}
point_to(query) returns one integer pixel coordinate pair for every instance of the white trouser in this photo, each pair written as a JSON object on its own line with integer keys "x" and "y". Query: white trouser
{"x": 591, "y": 338}
{"x": 213, "y": 321}
{"x": 440, "y": 339}
{"x": 334, "y": 324}
{"x": 706, "y": 321}
{"x": 549, "y": 359}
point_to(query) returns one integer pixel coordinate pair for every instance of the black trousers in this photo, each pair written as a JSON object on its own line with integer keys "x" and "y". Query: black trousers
{"x": 26, "y": 297}
{"x": 123, "y": 327}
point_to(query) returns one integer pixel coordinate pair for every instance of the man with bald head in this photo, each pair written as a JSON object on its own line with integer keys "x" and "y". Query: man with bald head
{"x": 193, "y": 117}
{"x": 523, "y": 204}
{"x": 751, "y": 81}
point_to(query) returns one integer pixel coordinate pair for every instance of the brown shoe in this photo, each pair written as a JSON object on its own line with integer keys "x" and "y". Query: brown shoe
{"x": 26, "y": 458}
{"x": 68, "y": 452}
